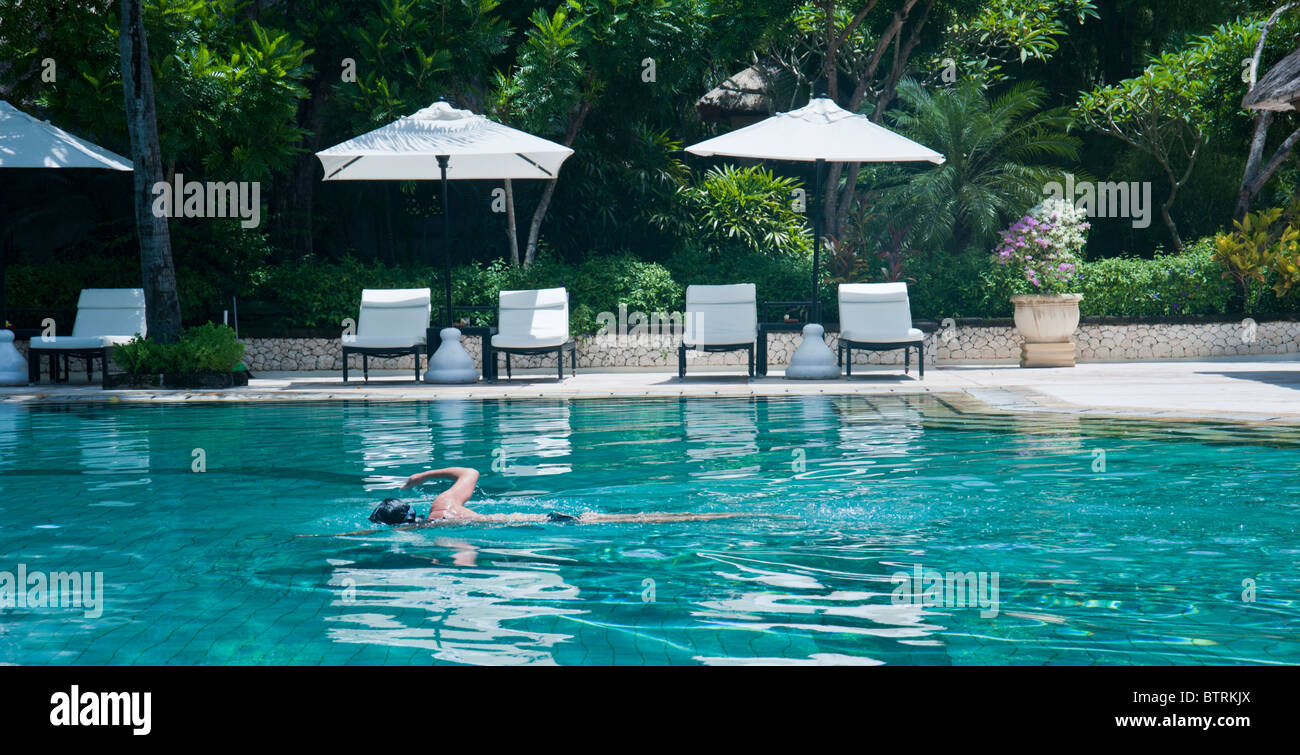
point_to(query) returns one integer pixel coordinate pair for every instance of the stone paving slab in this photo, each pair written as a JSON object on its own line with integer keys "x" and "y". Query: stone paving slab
{"x": 1243, "y": 389}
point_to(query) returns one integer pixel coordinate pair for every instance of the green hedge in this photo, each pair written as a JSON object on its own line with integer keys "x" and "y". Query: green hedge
{"x": 970, "y": 285}
{"x": 1191, "y": 283}
{"x": 1169, "y": 285}
{"x": 56, "y": 285}
{"x": 785, "y": 278}
{"x": 966, "y": 285}
{"x": 323, "y": 294}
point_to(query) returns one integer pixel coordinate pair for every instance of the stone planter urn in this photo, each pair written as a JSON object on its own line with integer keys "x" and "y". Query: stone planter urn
{"x": 13, "y": 368}
{"x": 1046, "y": 322}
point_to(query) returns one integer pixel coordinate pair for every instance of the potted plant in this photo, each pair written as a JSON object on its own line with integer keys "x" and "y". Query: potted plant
{"x": 1044, "y": 247}
{"x": 206, "y": 356}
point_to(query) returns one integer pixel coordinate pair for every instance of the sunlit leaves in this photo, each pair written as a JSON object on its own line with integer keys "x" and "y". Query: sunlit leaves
{"x": 751, "y": 206}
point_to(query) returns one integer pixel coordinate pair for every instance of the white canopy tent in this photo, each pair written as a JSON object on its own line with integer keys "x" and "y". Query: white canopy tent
{"x": 29, "y": 142}
{"x": 819, "y": 132}
{"x": 444, "y": 143}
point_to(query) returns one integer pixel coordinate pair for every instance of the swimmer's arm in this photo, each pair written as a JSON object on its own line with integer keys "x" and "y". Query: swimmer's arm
{"x": 449, "y": 473}
{"x": 455, "y": 496}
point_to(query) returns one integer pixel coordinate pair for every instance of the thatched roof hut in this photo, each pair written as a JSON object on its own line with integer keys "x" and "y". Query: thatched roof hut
{"x": 1279, "y": 89}
{"x": 743, "y": 98}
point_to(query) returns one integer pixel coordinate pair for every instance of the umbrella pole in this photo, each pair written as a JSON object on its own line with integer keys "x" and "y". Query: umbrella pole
{"x": 4, "y": 301}
{"x": 815, "y": 311}
{"x": 446, "y": 239}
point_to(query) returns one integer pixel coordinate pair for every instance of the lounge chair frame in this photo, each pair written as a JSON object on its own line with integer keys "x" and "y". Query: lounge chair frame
{"x": 844, "y": 353}
{"x": 490, "y": 353}
{"x": 90, "y": 355}
{"x": 380, "y": 352}
{"x": 717, "y": 347}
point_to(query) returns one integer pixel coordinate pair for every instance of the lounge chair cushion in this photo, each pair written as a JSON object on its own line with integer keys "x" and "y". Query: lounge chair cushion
{"x": 105, "y": 316}
{"x": 534, "y": 319}
{"x": 381, "y": 342}
{"x": 395, "y": 298}
{"x": 867, "y": 336}
{"x": 392, "y": 318}
{"x": 78, "y": 342}
{"x": 113, "y": 312}
{"x": 721, "y": 315}
{"x": 876, "y": 313}
{"x": 873, "y": 292}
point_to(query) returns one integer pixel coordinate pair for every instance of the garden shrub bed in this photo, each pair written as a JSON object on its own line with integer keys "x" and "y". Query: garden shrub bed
{"x": 969, "y": 287}
{"x": 205, "y": 356}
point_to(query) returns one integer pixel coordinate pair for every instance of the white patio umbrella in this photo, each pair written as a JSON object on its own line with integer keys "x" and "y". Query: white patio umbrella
{"x": 29, "y": 142}
{"x": 445, "y": 143}
{"x": 819, "y": 132}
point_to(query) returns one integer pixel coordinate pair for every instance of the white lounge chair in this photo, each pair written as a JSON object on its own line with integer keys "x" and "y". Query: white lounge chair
{"x": 393, "y": 323}
{"x": 105, "y": 317}
{"x": 531, "y": 322}
{"x": 719, "y": 318}
{"x": 878, "y": 317}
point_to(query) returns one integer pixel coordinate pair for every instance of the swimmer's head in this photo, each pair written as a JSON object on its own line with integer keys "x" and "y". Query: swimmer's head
{"x": 393, "y": 511}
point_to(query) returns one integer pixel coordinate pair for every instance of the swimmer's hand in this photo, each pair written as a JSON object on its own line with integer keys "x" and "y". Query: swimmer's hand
{"x": 412, "y": 481}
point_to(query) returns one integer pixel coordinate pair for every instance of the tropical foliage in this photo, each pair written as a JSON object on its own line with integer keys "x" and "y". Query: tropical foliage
{"x": 747, "y": 207}
{"x": 1000, "y": 154}
{"x": 1262, "y": 248}
{"x": 250, "y": 91}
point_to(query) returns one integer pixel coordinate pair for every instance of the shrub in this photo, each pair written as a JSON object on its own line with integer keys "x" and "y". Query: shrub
{"x": 972, "y": 285}
{"x": 56, "y": 284}
{"x": 1263, "y": 248}
{"x": 601, "y": 284}
{"x": 204, "y": 348}
{"x": 321, "y": 293}
{"x": 969, "y": 284}
{"x": 1168, "y": 285}
{"x": 775, "y": 278}
{"x": 208, "y": 348}
{"x": 142, "y": 356}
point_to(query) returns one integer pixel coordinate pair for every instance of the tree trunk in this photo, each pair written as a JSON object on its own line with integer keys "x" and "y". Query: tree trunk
{"x": 158, "y": 273}
{"x": 535, "y": 227}
{"x": 1253, "y": 179}
{"x": 512, "y": 234}
{"x": 1173, "y": 229}
{"x": 1263, "y": 119}
{"x": 836, "y": 201}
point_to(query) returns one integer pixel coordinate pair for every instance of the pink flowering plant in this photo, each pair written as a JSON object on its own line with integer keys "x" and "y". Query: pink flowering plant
{"x": 1046, "y": 245}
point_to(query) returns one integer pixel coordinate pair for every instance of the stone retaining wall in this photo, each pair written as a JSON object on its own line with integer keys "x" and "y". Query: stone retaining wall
{"x": 956, "y": 344}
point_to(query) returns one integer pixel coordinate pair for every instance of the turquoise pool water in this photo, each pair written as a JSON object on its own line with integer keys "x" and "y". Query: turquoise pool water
{"x": 1111, "y": 543}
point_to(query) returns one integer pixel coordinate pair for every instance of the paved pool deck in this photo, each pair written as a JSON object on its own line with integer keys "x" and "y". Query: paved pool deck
{"x": 1237, "y": 389}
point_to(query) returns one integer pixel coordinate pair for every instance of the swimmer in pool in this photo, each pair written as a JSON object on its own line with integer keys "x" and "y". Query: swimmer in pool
{"x": 449, "y": 508}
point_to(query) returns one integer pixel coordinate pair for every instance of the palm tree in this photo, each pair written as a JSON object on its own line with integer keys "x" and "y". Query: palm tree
{"x": 162, "y": 306}
{"x": 999, "y": 152}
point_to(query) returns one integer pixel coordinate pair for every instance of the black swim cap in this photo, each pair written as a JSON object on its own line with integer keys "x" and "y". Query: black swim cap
{"x": 393, "y": 511}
